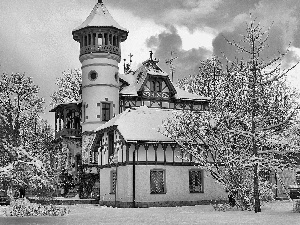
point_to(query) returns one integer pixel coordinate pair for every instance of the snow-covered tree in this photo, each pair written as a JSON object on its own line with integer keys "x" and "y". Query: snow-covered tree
{"x": 23, "y": 146}
{"x": 69, "y": 85}
{"x": 246, "y": 131}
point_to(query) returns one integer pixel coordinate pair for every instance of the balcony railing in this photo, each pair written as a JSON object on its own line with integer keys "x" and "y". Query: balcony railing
{"x": 68, "y": 133}
{"x": 100, "y": 49}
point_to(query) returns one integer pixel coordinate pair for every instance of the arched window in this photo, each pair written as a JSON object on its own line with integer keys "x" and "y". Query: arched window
{"x": 158, "y": 86}
{"x": 152, "y": 85}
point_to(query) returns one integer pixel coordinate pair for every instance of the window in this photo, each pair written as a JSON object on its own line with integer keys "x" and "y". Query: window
{"x": 83, "y": 112}
{"x": 113, "y": 181}
{"x": 93, "y": 75}
{"x": 100, "y": 39}
{"x": 298, "y": 178}
{"x": 152, "y": 86}
{"x": 195, "y": 181}
{"x": 157, "y": 182}
{"x": 105, "y": 111}
{"x": 155, "y": 86}
{"x": 111, "y": 143}
{"x": 158, "y": 86}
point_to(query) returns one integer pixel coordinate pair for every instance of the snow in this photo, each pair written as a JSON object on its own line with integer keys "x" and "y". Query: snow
{"x": 181, "y": 94}
{"x": 276, "y": 213}
{"x": 64, "y": 104}
{"x": 142, "y": 124}
{"x": 100, "y": 17}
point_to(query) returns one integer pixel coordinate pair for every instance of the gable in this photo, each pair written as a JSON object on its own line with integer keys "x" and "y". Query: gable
{"x": 157, "y": 87}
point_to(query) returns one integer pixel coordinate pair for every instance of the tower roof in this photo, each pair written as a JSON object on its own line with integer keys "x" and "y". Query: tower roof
{"x": 100, "y": 17}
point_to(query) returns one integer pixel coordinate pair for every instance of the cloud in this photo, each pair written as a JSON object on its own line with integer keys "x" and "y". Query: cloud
{"x": 169, "y": 41}
{"x": 189, "y": 13}
{"x": 283, "y": 25}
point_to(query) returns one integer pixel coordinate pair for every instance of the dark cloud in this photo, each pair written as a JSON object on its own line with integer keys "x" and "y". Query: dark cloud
{"x": 273, "y": 45}
{"x": 169, "y": 41}
{"x": 190, "y": 13}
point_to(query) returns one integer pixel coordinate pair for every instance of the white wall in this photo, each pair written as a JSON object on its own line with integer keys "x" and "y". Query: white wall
{"x": 177, "y": 185}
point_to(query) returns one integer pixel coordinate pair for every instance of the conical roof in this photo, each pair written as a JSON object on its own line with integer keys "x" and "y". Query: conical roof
{"x": 100, "y": 17}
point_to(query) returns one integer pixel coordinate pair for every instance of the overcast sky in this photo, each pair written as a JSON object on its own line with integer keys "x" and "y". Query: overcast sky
{"x": 35, "y": 35}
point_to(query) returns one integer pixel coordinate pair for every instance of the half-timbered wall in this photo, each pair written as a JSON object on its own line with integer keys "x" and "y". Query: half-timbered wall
{"x": 131, "y": 102}
{"x": 145, "y": 153}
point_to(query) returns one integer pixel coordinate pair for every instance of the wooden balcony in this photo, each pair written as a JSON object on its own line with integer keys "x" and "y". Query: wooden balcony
{"x": 68, "y": 133}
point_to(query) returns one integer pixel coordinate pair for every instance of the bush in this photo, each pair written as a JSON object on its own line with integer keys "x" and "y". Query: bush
{"x": 296, "y": 206}
{"x": 22, "y": 207}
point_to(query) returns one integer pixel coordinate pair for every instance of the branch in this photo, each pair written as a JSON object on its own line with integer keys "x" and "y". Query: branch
{"x": 279, "y": 124}
{"x": 275, "y": 78}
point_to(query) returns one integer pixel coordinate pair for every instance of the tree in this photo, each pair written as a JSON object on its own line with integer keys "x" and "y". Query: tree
{"x": 251, "y": 108}
{"x": 69, "y": 86}
{"x": 22, "y": 143}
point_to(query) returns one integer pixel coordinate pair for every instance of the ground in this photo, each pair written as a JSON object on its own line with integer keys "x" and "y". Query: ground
{"x": 274, "y": 213}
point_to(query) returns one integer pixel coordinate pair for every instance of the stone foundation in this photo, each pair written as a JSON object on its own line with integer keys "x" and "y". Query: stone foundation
{"x": 158, "y": 204}
{"x": 64, "y": 201}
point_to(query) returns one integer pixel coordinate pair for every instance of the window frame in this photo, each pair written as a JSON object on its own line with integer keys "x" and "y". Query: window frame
{"x": 201, "y": 181}
{"x": 90, "y": 75}
{"x": 164, "y": 180}
{"x": 113, "y": 181}
{"x": 109, "y": 111}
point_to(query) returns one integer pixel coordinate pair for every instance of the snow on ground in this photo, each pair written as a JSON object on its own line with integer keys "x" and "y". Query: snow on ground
{"x": 273, "y": 213}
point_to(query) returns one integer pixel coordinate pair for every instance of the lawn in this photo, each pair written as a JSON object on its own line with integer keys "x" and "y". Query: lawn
{"x": 274, "y": 213}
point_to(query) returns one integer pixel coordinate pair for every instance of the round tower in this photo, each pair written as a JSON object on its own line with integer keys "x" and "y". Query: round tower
{"x": 100, "y": 52}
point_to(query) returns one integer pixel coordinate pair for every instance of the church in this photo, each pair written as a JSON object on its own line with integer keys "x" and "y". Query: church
{"x": 113, "y": 134}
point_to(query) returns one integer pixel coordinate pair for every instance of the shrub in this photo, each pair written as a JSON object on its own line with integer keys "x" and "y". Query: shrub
{"x": 22, "y": 207}
{"x": 296, "y": 206}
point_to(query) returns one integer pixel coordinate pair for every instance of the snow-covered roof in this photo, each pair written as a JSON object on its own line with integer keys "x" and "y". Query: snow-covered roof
{"x": 100, "y": 17}
{"x": 140, "y": 124}
{"x": 129, "y": 90}
{"x": 130, "y": 79}
{"x": 64, "y": 104}
{"x": 184, "y": 95}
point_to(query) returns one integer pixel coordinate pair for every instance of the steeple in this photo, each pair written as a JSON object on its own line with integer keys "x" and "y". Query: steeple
{"x": 100, "y": 52}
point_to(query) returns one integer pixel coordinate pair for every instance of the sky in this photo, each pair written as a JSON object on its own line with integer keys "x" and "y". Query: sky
{"x": 36, "y": 39}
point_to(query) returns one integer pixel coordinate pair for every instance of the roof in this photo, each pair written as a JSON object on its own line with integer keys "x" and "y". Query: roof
{"x": 140, "y": 124}
{"x": 100, "y": 17}
{"x": 64, "y": 104}
{"x": 184, "y": 95}
{"x": 137, "y": 79}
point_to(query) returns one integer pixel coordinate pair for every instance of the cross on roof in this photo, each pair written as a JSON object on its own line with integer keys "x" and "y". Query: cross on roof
{"x": 151, "y": 55}
{"x": 170, "y": 62}
{"x": 130, "y": 57}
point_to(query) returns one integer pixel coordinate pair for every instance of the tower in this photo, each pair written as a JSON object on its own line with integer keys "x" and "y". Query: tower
{"x": 99, "y": 37}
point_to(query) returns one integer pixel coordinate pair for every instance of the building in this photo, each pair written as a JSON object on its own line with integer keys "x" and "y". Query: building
{"x": 118, "y": 144}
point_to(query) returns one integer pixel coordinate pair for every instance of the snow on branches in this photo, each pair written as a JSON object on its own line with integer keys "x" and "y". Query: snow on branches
{"x": 25, "y": 138}
{"x": 249, "y": 127}
{"x": 68, "y": 87}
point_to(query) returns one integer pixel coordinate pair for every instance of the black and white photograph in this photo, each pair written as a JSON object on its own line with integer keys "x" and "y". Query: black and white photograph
{"x": 149, "y": 112}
